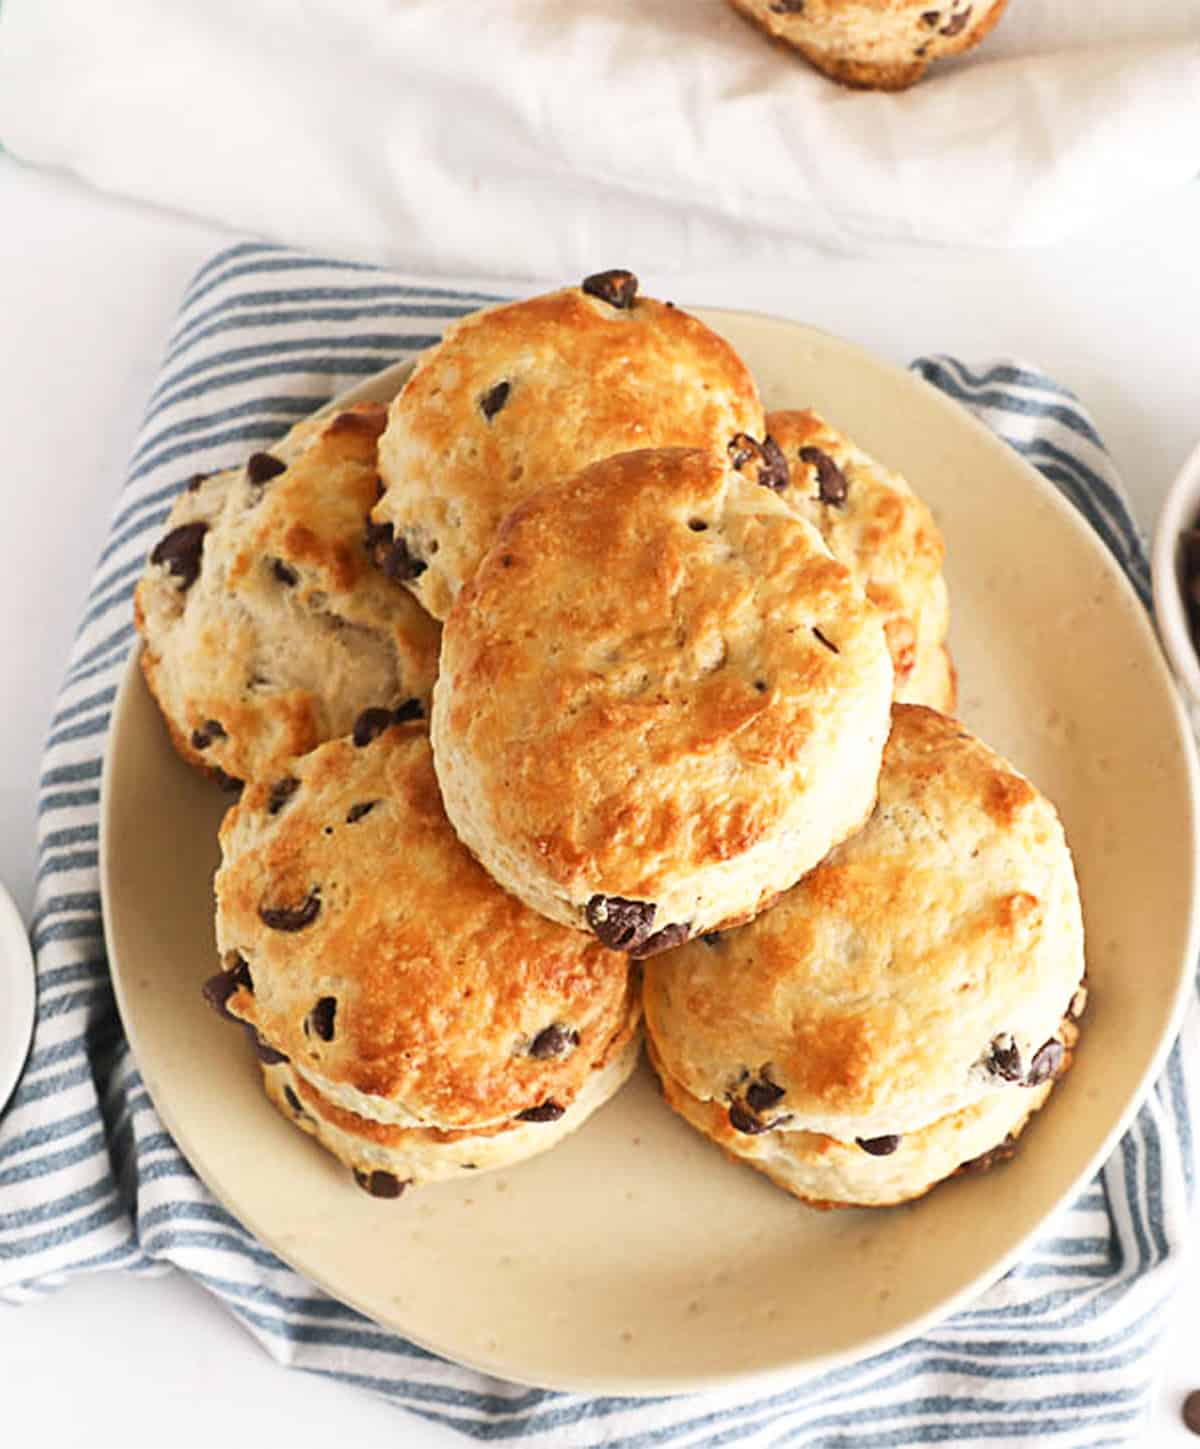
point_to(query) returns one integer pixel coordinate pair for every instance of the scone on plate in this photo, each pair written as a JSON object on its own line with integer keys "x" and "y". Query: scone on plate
{"x": 661, "y": 699}
{"x": 884, "y": 45}
{"x": 903, "y": 1009}
{"x": 418, "y": 1021}
{"x": 519, "y": 395}
{"x": 874, "y": 522}
{"x": 266, "y": 628}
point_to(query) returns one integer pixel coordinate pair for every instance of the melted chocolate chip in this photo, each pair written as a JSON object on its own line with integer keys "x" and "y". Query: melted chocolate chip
{"x": 772, "y": 470}
{"x": 930, "y": 17}
{"x": 196, "y": 481}
{"x": 264, "y": 1051}
{"x": 211, "y": 729}
{"x": 390, "y": 554}
{"x": 292, "y": 918}
{"x": 356, "y": 812}
{"x": 763, "y": 1094}
{"x": 494, "y": 399}
{"x": 411, "y": 709}
{"x": 673, "y": 935}
{"x": 879, "y": 1146}
{"x": 320, "y": 1020}
{"x": 229, "y": 783}
{"x": 553, "y": 1041}
{"x": 712, "y": 939}
{"x": 957, "y": 23}
{"x": 379, "y": 1183}
{"x": 370, "y": 725}
{"x": 697, "y": 525}
{"x": 1002, "y": 1152}
{"x": 547, "y": 1111}
{"x": 618, "y": 923}
{"x": 1005, "y": 1059}
{"x": 831, "y": 481}
{"x": 828, "y": 643}
{"x": 618, "y": 288}
{"x": 788, "y": 7}
{"x": 285, "y": 573}
{"x": 1045, "y": 1064}
{"x": 181, "y": 550}
{"x": 281, "y": 792}
{"x": 262, "y": 467}
{"x": 743, "y": 1120}
{"x": 219, "y": 988}
{"x": 1190, "y": 1411}
{"x": 370, "y": 421}
{"x": 292, "y": 1100}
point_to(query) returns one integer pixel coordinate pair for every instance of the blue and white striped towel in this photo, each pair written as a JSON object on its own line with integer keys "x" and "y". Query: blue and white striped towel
{"x": 1059, "y": 1352}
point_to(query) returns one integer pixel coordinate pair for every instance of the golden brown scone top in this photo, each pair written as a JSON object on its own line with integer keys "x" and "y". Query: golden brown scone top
{"x": 646, "y": 667}
{"x": 926, "y": 961}
{"x": 272, "y": 622}
{"x": 522, "y": 394}
{"x": 874, "y": 522}
{"x": 385, "y": 961}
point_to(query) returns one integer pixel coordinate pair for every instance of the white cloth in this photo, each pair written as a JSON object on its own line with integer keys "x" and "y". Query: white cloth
{"x": 546, "y": 138}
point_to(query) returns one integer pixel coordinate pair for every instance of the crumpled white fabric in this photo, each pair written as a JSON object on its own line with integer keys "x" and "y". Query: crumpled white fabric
{"x": 539, "y": 138}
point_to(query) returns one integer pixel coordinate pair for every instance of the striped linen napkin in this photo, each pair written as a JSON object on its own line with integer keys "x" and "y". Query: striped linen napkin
{"x": 1059, "y": 1351}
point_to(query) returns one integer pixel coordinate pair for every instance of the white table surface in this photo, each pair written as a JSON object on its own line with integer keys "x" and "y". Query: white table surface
{"x": 88, "y": 288}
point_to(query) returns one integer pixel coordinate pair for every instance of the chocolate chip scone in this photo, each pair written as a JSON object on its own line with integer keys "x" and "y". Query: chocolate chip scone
{"x": 416, "y": 1019}
{"x": 519, "y": 395}
{"x": 874, "y": 522}
{"x": 266, "y": 628}
{"x": 904, "y": 1009}
{"x": 884, "y": 45}
{"x": 661, "y": 699}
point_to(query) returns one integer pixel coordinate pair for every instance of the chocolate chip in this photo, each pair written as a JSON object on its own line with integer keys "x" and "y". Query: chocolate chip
{"x": 930, "y": 17}
{"x": 292, "y": 918}
{"x": 1002, "y": 1152}
{"x": 263, "y": 1050}
{"x": 831, "y": 481}
{"x": 409, "y": 710}
{"x": 181, "y": 550}
{"x": 292, "y": 1100}
{"x": 1191, "y": 1411}
{"x": 369, "y": 421}
{"x": 547, "y": 1111}
{"x": 321, "y": 1018}
{"x": 219, "y": 988}
{"x": 285, "y": 573}
{"x": 356, "y": 812}
{"x": 262, "y": 467}
{"x": 390, "y": 554}
{"x": 229, "y": 783}
{"x": 196, "y": 481}
{"x": 957, "y": 23}
{"x": 712, "y": 939}
{"x": 828, "y": 643}
{"x": 761, "y": 686}
{"x": 494, "y": 399}
{"x": 618, "y": 923}
{"x": 763, "y": 1094}
{"x": 879, "y": 1146}
{"x": 379, "y": 1183}
{"x": 772, "y": 470}
{"x": 211, "y": 729}
{"x": 673, "y": 935}
{"x": 553, "y": 1041}
{"x": 742, "y": 1120}
{"x": 281, "y": 792}
{"x": 1045, "y": 1064}
{"x": 370, "y": 724}
{"x": 697, "y": 525}
{"x": 788, "y": 7}
{"x": 1005, "y": 1058}
{"x": 618, "y": 288}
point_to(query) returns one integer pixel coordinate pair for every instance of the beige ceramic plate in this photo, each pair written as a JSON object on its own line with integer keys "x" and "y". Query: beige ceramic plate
{"x": 634, "y": 1259}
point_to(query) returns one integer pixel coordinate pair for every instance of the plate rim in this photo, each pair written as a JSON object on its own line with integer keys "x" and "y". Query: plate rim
{"x": 17, "y": 963}
{"x": 795, "y": 1371}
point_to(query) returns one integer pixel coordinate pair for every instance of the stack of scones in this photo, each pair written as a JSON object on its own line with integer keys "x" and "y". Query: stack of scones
{"x": 570, "y": 689}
